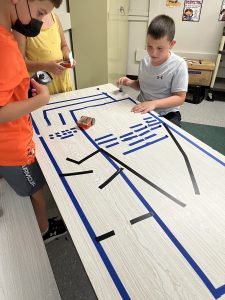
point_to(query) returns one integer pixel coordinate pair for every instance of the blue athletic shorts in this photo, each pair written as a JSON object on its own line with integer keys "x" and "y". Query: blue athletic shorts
{"x": 24, "y": 180}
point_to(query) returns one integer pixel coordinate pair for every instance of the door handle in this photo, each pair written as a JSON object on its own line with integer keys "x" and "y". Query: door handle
{"x": 122, "y": 11}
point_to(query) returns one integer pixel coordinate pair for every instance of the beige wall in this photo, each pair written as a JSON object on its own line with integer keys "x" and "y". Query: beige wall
{"x": 194, "y": 39}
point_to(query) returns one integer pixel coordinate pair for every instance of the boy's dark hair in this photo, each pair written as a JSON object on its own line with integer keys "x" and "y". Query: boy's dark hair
{"x": 161, "y": 26}
{"x": 56, "y": 3}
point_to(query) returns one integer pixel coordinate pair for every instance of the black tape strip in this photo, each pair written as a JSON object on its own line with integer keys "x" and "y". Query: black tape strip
{"x": 110, "y": 178}
{"x": 78, "y": 162}
{"x": 191, "y": 173}
{"x": 76, "y": 173}
{"x": 105, "y": 236}
{"x": 141, "y": 218}
{"x": 145, "y": 179}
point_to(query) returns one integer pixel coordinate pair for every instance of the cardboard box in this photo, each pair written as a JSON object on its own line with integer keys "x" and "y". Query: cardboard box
{"x": 200, "y": 71}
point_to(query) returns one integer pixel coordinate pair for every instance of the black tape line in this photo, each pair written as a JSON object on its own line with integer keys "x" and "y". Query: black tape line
{"x": 191, "y": 173}
{"x": 141, "y": 218}
{"x": 76, "y": 173}
{"x": 145, "y": 179}
{"x": 78, "y": 162}
{"x": 110, "y": 178}
{"x": 105, "y": 236}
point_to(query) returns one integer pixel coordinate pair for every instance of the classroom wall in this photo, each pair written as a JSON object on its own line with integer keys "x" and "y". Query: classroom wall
{"x": 194, "y": 39}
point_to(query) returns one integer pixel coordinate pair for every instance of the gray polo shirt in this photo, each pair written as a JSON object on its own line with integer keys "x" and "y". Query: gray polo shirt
{"x": 157, "y": 82}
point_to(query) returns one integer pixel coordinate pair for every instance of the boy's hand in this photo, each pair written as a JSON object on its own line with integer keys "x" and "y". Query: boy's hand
{"x": 54, "y": 67}
{"x": 123, "y": 81}
{"x": 41, "y": 91}
{"x": 144, "y": 107}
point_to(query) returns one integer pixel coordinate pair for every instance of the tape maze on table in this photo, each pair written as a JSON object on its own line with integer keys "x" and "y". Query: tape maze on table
{"x": 153, "y": 189}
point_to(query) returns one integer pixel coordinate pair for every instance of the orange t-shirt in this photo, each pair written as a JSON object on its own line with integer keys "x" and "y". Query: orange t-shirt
{"x": 16, "y": 144}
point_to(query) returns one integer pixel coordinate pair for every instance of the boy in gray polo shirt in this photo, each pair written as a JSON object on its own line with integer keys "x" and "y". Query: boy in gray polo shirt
{"x": 163, "y": 75}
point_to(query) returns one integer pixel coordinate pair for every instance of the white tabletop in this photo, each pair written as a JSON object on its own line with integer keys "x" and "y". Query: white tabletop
{"x": 147, "y": 213}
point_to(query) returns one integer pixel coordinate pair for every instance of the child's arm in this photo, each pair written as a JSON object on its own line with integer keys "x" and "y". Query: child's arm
{"x": 175, "y": 100}
{"x": 64, "y": 47}
{"x": 128, "y": 82}
{"x": 34, "y": 66}
{"x": 15, "y": 110}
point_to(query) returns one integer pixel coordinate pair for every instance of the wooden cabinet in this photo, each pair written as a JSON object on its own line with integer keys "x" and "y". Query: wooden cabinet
{"x": 100, "y": 38}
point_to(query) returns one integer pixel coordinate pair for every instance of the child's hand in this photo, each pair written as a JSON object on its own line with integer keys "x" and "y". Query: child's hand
{"x": 41, "y": 91}
{"x": 123, "y": 81}
{"x": 144, "y": 107}
{"x": 54, "y": 67}
{"x": 67, "y": 59}
{"x": 74, "y": 64}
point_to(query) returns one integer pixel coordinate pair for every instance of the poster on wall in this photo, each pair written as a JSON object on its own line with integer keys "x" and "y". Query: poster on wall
{"x": 192, "y": 10}
{"x": 172, "y": 3}
{"x": 222, "y": 12}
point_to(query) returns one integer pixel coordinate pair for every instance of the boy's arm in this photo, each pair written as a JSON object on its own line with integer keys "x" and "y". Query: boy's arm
{"x": 128, "y": 82}
{"x": 176, "y": 99}
{"x": 15, "y": 110}
{"x": 34, "y": 66}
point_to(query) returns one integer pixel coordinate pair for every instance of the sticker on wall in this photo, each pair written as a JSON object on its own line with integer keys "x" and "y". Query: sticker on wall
{"x": 172, "y": 3}
{"x": 222, "y": 12}
{"x": 192, "y": 10}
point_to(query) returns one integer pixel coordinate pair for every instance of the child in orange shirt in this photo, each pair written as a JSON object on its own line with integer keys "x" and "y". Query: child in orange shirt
{"x": 18, "y": 164}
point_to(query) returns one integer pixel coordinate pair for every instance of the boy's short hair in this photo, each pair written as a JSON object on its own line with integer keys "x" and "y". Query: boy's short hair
{"x": 56, "y": 3}
{"x": 161, "y": 26}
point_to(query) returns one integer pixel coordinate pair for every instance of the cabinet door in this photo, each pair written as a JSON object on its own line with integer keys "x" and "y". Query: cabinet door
{"x": 117, "y": 39}
{"x": 64, "y": 16}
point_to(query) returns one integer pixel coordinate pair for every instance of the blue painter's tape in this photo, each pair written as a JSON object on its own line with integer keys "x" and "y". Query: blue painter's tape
{"x": 74, "y": 104}
{"x": 215, "y": 292}
{"x": 103, "y": 137}
{"x": 62, "y": 119}
{"x": 107, "y": 141}
{"x": 157, "y": 123}
{"x": 166, "y": 230}
{"x": 147, "y": 118}
{"x": 130, "y": 138}
{"x": 46, "y": 118}
{"x": 143, "y": 133}
{"x": 119, "y": 285}
{"x": 112, "y": 145}
{"x": 195, "y": 145}
{"x": 96, "y": 105}
{"x": 74, "y": 99}
{"x": 152, "y": 121}
{"x": 136, "y": 142}
{"x": 146, "y": 145}
{"x": 35, "y": 126}
{"x": 108, "y": 96}
{"x": 134, "y": 126}
{"x": 67, "y": 136}
{"x": 150, "y": 136}
{"x": 127, "y": 134}
{"x": 140, "y": 129}
{"x": 156, "y": 127}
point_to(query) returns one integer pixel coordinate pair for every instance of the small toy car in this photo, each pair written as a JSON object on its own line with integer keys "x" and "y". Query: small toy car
{"x": 86, "y": 122}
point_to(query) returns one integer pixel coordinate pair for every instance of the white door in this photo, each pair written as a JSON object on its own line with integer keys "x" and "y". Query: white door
{"x": 64, "y": 16}
{"x": 117, "y": 39}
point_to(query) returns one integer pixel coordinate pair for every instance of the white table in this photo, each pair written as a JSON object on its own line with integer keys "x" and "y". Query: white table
{"x": 25, "y": 270}
{"x": 156, "y": 228}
